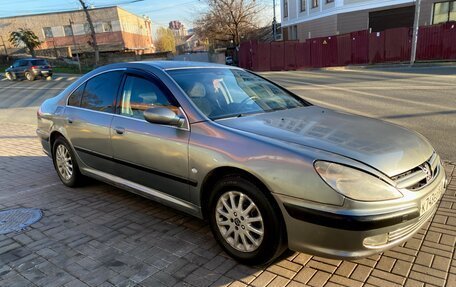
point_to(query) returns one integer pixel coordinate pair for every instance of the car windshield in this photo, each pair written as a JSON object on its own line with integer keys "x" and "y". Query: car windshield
{"x": 222, "y": 93}
{"x": 39, "y": 63}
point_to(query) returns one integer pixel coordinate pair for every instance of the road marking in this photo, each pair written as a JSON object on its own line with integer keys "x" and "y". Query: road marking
{"x": 449, "y": 87}
{"x": 30, "y": 88}
{"x": 366, "y": 94}
{"x": 58, "y": 79}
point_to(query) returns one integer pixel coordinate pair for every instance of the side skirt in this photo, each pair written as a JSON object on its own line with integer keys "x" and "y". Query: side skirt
{"x": 144, "y": 191}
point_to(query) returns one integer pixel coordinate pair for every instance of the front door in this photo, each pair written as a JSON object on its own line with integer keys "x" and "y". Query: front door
{"x": 153, "y": 155}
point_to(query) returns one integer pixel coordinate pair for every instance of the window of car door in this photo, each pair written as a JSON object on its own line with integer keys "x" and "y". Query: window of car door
{"x": 100, "y": 92}
{"x": 140, "y": 94}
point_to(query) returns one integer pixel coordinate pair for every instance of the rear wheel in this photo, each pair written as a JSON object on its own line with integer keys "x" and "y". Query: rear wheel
{"x": 65, "y": 163}
{"x": 29, "y": 76}
{"x": 244, "y": 222}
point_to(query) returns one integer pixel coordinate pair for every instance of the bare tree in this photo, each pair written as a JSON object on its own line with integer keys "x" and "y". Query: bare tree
{"x": 229, "y": 20}
{"x": 94, "y": 44}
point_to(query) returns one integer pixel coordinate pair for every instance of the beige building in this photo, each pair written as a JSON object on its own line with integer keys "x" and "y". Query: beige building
{"x": 116, "y": 30}
{"x": 304, "y": 19}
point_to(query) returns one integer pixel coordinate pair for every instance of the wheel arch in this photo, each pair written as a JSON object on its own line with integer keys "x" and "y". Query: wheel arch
{"x": 52, "y": 137}
{"x": 218, "y": 173}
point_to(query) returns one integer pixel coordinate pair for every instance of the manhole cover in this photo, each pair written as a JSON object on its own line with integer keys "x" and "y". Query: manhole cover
{"x": 18, "y": 219}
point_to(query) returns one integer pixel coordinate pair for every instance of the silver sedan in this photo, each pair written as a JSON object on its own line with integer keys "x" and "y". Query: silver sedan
{"x": 267, "y": 169}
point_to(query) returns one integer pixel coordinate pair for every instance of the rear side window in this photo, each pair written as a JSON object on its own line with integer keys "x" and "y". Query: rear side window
{"x": 39, "y": 63}
{"x": 76, "y": 96}
{"x": 101, "y": 91}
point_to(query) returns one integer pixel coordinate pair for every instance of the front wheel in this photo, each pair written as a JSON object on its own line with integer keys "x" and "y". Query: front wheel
{"x": 9, "y": 76}
{"x": 65, "y": 163}
{"x": 244, "y": 221}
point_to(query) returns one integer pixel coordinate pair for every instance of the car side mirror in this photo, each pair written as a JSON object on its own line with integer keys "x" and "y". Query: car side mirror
{"x": 163, "y": 116}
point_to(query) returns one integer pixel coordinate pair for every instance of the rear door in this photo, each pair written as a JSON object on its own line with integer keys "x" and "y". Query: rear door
{"x": 153, "y": 155}
{"x": 88, "y": 117}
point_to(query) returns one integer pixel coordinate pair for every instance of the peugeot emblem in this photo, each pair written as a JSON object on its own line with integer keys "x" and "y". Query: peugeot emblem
{"x": 426, "y": 168}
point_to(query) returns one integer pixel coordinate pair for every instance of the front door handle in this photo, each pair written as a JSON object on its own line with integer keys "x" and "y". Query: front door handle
{"x": 119, "y": 130}
{"x": 70, "y": 121}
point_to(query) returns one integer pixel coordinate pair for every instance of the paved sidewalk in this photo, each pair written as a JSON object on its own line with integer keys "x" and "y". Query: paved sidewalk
{"x": 99, "y": 235}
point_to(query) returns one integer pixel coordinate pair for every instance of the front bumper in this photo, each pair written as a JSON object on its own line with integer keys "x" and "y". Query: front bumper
{"x": 341, "y": 233}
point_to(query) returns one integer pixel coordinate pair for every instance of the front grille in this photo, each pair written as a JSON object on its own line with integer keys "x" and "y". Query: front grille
{"x": 404, "y": 231}
{"x": 419, "y": 176}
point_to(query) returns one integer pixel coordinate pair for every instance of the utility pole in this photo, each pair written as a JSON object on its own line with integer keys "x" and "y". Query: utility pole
{"x": 274, "y": 22}
{"x": 92, "y": 31}
{"x": 416, "y": 26}
{"x": 4, "y": 47}
{"x": 74, "y": 44}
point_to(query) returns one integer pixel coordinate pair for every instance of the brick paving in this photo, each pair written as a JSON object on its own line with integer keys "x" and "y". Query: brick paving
{"x": 99, "y": 235}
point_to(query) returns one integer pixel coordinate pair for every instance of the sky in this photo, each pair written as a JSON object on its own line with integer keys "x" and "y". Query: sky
{"x": 160, "y": 12}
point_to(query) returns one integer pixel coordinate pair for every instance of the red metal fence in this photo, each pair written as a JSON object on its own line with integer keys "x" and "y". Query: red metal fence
{"x": 437, "y": 42}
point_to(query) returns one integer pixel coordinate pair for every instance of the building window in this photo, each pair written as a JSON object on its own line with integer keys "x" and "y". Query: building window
{"x": 285, "y": 8}
{"x": 47, "y": 32}
{"x": 303, "y": 5}
{"x": 107, "y": 27}
{"x": 329, "y": 1}
{"x": 87, "y": 28}
{"x": 67, "y": 30}
{"x": 315, "y": 3}
{"x": 293, "y": 32}
{"x": 444, "y": 12}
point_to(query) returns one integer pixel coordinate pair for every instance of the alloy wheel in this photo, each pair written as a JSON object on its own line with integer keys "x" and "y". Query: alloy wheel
{"x": 239, "y": 221}
{"x": 64, "y": 162}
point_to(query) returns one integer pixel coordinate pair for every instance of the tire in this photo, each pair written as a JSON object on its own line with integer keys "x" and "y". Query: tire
{"x": 9, "y": 76}
{"x": 258, "y": 242}
{"x": 68, "y": 173}
{"x": 29, "y": 76}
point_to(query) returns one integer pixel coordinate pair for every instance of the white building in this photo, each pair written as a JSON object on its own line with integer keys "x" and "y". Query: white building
{"x": 304, "y": 19}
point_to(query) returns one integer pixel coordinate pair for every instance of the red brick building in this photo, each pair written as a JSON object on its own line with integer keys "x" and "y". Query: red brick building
{"x": 116, "y": 30}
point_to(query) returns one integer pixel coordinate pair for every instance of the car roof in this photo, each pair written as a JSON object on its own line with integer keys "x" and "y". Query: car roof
{"x": 171, "y": 65}
{"x": 29, "y": 59}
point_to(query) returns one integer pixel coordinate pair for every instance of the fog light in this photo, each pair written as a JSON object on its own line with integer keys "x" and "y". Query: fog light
{"x": 376, "y": 240}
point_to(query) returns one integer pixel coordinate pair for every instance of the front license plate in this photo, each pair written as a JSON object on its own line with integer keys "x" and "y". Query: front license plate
{"x": 429, "y": 201}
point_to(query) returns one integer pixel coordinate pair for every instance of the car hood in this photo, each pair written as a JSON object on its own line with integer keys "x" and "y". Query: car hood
{"x": 386, "y": 147}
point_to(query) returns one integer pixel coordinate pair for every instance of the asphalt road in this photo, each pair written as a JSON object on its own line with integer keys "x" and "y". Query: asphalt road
{"x": 423, "y": 99}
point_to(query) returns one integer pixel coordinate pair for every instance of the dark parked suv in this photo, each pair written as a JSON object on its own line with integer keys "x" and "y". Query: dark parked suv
{"x": 30, "y": 69}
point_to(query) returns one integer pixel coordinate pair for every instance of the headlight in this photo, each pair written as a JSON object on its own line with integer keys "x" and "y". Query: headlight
{"x": 354, "y": 183}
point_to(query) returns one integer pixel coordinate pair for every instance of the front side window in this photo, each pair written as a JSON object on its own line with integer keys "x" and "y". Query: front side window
{"x": 47, "y": 32}
{"x": 444, "y": 12}
{"x": 101, "y": 91}
{"x": 222, "y": 93}
{"x": 139, "y": 95}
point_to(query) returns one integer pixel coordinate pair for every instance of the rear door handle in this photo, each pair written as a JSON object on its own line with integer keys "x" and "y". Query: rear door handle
{"x": 70, "y": 121}
{"x": 119, "y": 130}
